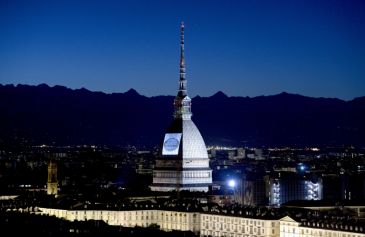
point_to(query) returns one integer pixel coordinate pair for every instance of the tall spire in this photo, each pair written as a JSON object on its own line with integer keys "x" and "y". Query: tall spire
{"x": 182, "y": 82}
{"x": 182, "y": 102}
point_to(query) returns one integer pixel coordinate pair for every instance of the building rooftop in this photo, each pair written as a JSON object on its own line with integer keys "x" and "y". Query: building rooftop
{"x": 325, "y": 203}
{"x": 333, "y": 219}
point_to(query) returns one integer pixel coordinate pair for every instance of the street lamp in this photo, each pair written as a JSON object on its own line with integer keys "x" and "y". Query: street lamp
{"x": 232, "y": 183}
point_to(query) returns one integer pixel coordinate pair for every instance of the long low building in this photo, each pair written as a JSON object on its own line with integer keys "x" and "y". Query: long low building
{"x": 211, "y": 224}
{"x": 291, "y": 228}
{"x": 167, "y": 220}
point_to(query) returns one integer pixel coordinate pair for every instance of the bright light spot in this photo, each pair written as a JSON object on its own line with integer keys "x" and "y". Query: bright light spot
{"x": 232, "y": 183}
{"x": 302, "y": 167}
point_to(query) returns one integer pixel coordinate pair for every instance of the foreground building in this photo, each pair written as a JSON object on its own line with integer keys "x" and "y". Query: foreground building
{"x": 183, "y": 163}
{"x": 213, "y": 224}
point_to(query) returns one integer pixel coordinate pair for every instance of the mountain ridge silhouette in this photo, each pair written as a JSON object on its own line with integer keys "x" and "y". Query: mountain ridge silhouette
{"x": 62, "y": 116}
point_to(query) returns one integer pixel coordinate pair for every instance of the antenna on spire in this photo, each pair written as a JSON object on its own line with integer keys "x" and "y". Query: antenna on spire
{"x": 182, "y": 82}
{"x": 182, "y": 57}
{"x": 182, "y": 102}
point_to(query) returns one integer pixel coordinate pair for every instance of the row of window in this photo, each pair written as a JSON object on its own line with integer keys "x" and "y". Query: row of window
{"x": 232, "y": 225}
{"x": 196, "y": 174}
{"x": 235, "y": 220}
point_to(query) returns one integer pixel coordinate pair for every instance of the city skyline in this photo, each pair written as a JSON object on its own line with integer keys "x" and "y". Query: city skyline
{"x": 241, "y": 48}
{"x": 252, "y": 161}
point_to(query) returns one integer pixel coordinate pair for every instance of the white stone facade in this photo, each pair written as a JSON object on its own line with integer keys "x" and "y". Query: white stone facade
{"x": 167, "y": 220}
{"x": 203, "y": 223}
{"x": 218, "y": 225}
{"x": 291, "y": 228}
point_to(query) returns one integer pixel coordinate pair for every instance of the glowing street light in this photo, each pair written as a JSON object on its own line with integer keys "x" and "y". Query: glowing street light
{"x": 231, "y": 183}
{"x": 302, "y": 167}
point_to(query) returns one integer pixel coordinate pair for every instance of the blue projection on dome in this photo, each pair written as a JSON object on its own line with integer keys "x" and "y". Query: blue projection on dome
{"x": 171, "y": 144}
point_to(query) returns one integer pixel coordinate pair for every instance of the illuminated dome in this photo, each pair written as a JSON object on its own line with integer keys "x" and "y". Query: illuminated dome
{"x": 183, "y": 163}
{"x": 192, "y": 141}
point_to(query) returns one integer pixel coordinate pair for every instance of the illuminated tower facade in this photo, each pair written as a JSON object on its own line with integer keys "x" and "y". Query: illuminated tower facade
{"x": 183, "y": 163}
{"x": 52, "y": 183}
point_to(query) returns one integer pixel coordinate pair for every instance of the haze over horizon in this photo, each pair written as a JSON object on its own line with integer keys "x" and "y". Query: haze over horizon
{"x": 248, "y": 48}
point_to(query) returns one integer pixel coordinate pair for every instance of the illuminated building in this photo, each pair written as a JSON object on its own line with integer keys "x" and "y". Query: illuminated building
{"x": 276, "y": 189}
{"x": 291, "y": 187}
{"x": 292, "y": 228}
{"x": 213, "y": 224}
{"x": 183, "y": 163}
{"x": 52, "y": 183}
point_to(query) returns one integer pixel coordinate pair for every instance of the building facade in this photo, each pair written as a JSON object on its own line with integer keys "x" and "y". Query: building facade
{"x": 291, "y": 187}
{"x": 52, "y": 182}
{"x": 208, "y": 224}
{"x": 183, "y": 163}
{"x": 167, "y": 220}
{"x": 291, "y": 228}
{"x": 219, "y": 225}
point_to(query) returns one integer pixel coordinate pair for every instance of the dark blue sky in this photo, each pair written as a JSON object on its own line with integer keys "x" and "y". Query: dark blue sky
{"x": 246, "y": 48}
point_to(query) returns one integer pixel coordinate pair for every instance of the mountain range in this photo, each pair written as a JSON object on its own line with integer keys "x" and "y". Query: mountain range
{"x": 62, "y": 116}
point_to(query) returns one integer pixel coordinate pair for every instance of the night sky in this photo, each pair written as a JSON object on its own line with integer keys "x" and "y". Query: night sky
{"x": 243, "y": 48}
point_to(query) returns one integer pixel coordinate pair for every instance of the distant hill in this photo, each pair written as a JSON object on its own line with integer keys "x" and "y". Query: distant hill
{"x": 58, "y": 115}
